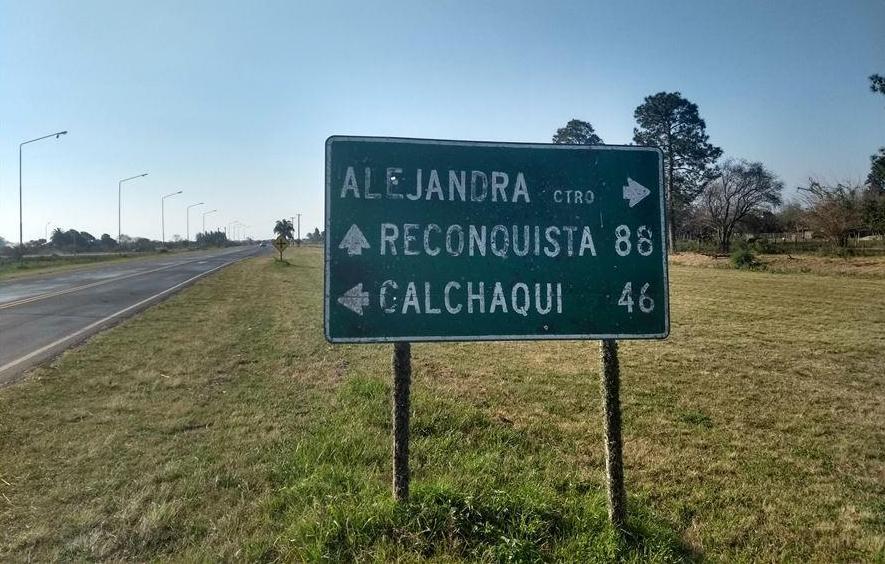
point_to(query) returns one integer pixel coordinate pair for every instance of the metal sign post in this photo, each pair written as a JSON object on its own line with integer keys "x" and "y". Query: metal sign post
{"x": 402, "y": 380}
{"x": 610, "y": 382}
{"x": 432, "y": 240}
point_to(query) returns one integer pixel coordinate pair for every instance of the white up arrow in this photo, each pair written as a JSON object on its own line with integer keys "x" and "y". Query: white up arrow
{"x": 635, "y": 192}
{"x": 354, "y": 241}
{"x": 355, "y": 299}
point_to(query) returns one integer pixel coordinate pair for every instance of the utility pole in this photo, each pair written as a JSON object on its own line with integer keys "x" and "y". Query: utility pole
{"x": 299, "y": 229}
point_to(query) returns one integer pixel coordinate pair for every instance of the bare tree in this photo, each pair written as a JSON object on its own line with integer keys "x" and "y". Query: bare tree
{"x": 834, "y": 211}
{"x": 742, "y": 188}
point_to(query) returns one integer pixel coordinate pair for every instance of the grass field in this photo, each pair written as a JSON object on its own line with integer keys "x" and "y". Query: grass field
{"x": 220, "y": 425}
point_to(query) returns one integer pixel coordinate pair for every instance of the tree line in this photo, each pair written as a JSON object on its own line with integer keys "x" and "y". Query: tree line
{"x": 718, "y": 198}
{"x": 74, "y": 241}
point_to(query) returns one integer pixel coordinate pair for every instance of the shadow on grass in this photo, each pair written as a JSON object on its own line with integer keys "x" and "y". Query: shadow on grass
{"x": 481, "y": 491}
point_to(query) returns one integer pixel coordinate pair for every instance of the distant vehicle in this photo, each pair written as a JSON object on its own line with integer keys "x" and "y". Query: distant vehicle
{"x": 262, "y": 244}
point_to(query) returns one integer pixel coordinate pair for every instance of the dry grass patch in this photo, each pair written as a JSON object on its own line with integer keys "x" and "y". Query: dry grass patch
{"x": 862, "y": 267}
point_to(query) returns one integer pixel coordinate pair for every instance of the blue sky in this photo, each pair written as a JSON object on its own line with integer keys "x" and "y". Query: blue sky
{"x": 232, "y": 101}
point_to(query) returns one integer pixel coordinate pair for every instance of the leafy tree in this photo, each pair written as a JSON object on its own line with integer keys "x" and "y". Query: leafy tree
{"x": 284, "y": 228}
{"x": 764, "y": 220}
{"x": 742, "y": 188}
{"x": 791, "y": 216}
{"x": 877, "y": 83}
{"x": 212, "y": 239}
{"x": 876, "y": 177}
{"x": 577, "y": 132}
{"x": 317, "y": 236}
{"x": 143, "y": 244}
{"x": 874, "y": 211}
{"x": 107, "y": 242}
{"x": 835, "y": 211}
{"x": 672, "y": 123}
{"x": 86, "y": 239}
{"x": 58, "y": 238}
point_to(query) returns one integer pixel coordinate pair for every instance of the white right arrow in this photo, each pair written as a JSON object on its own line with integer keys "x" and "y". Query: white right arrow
{"x": 354, "y": 241}
{"x": 635, "y": 192}
{"x": 355, "y": 299}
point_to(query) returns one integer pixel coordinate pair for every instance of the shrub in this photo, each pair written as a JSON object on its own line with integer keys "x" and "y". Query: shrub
{"x": 744, "y": 258}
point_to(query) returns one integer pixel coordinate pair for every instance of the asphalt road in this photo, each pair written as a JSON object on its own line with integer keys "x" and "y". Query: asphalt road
{"x": 43, "y": 315}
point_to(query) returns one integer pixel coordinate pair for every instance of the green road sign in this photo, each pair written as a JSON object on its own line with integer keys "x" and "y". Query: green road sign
{"x": 460, "y": 240}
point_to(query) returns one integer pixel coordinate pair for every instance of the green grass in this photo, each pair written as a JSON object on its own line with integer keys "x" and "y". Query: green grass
{"x": 488, "y": 492}
{"x": 220, "y": 425}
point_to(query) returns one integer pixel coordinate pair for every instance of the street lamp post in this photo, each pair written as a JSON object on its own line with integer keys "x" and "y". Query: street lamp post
{"x": 204, "y": 219}
{"x": 21, "y": 241}
{"x": 163, "y": 214}
{"x": 189, "y": 219}
{"x": 120, "y": 205}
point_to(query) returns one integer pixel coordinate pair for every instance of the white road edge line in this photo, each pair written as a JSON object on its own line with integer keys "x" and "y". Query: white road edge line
{"x": 98, "y": 323}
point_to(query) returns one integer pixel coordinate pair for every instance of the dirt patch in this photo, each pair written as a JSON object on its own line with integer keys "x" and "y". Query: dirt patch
{"x": 697, "y": 259}
{"x": 863, "y": 267}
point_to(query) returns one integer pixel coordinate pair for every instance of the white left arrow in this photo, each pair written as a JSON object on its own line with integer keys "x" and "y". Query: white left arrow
{"x": 354, "y": 241}
{"x": 355, "y": 299}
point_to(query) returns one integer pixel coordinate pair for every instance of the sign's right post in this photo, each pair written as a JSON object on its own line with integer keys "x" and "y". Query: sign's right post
{"x": 610, "y": 383}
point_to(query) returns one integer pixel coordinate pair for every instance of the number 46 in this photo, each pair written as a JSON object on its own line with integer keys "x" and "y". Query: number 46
{"x": 646, "y": 304}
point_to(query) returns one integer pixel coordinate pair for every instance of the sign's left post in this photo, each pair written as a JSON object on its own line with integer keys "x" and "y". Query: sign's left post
{"x": 402, "y": 381}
